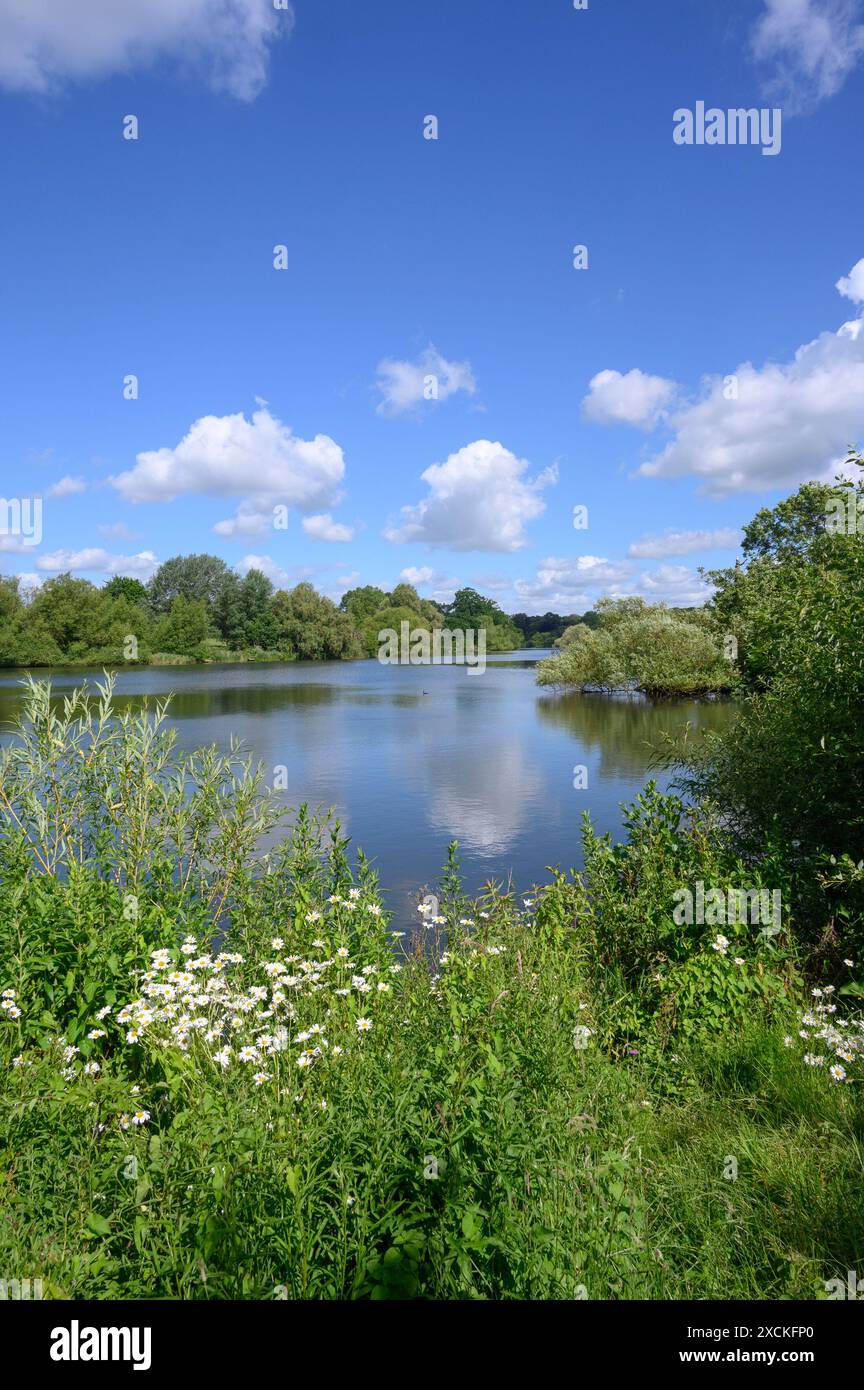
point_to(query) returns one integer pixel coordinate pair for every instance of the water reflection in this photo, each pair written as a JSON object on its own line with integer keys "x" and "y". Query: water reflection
{"x": 413, "y": 757}
{"x": 484, "y": 803}
{"x": 626, "y": 730}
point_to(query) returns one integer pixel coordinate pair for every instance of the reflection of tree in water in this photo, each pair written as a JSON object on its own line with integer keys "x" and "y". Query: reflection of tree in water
{"x": 256, "y": 699}
{"x": 627, "y": 728}
{"x": 194, "y": 701}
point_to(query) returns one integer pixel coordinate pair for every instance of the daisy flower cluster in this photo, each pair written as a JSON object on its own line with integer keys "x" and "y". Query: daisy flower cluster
{"x": 238, "y": 1015}
{"x": 834, "y": 1043}
{"x": 8, "y": 1004}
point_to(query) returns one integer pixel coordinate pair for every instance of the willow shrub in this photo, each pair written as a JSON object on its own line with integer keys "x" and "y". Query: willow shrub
{"x": 645, "y": 648}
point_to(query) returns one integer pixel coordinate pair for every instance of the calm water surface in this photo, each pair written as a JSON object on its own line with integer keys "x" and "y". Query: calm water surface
{"x": 413, "y": 757}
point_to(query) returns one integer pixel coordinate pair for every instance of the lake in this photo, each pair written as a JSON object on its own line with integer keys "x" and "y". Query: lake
{"x": 415, "y": 756}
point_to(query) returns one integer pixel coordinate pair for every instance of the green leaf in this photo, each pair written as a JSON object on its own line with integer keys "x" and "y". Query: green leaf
{"x": 97, "y": 1225}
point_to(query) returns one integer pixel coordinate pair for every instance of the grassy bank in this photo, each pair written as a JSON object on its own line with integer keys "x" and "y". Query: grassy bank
{"x": 223, "y": 1077}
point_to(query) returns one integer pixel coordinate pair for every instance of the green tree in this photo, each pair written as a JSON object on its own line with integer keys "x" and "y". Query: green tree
{"x": 788, "y": 777}
{"x": 242, "y": 614}
{"x": 363, "y": 602}
{"x": 470, "y": 609}
{"x": 311, "y": 627}
{"x": 184, "y": 627}
{"x": 259, "y": 625}
{"x": 24, "y": 639}
{"x": 789, "y": 530}
{"x": 228, "y": 613}
{"x": 125, "y": 586}
{"x": 11, "y": 602}
{"x": 72, "y": 611}
{"x": 197, "y": 578}
{"x": 404, "y": 596}
{"x": 754, "y": 601}
{"x": 390, "y": 619}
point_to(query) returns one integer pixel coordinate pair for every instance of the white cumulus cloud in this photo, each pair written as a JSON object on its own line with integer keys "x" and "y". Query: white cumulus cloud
{"x": 631, "y": 398}
{"x": 479, "y": 499}
{"x": 406, "y": 385}
{"x": 44, "y": 43}
{"x": 851, "y": 286}
{"x": 279, "y": 577}
{"x": 440, "y": 588}
{"x": 676, "y": 585}
{"x": 424, "y": 574}
{"x": 774, "y": 426}
{"x": 259, "y": 460}
{"x": 811, "y": 45}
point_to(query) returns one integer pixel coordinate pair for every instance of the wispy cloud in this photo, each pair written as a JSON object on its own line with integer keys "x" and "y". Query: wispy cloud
{"x": 44, "y": 43}
{"x": 97, "y": 561}
{"x": 117, "y": 531}
{"x": 408, "y": 386}
{"x": 684, "y": 543}
{"x": 810, "y": 47}
{"x": 66, "y": 487}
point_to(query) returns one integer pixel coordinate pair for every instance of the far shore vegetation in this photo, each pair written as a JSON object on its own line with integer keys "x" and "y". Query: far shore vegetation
{"x": 196, "y": 609}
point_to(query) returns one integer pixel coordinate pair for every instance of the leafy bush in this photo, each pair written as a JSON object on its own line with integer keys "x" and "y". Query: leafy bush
{"x": 791, "y": 770}
{"x": 653, "y": 973}
{"x": 642, "y": 648}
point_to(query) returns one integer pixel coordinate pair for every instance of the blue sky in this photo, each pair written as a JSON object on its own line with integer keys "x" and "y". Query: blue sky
{"x": 410, "y": 258}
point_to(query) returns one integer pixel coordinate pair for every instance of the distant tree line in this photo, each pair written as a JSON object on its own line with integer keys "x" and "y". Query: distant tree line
{"x": 197, "y": 609}
{"x": 546, "y": 630}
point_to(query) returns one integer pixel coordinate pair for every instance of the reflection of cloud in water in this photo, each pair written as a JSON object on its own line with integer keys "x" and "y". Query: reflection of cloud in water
{"x": 483, "y": 801}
